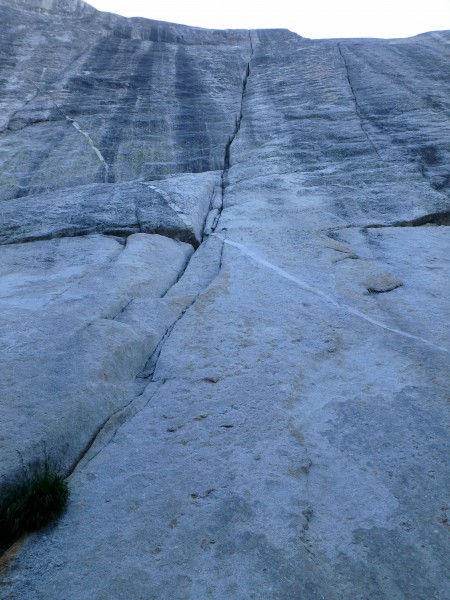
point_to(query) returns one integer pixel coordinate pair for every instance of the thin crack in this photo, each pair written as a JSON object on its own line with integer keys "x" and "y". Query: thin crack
{"x": 150, "y": 367}
{"x": 136, "y": 214}
{"x": 221, "y": 255}
{"x": 122, "y": 310}
{"x": 441, "y": 218}
{"x": 357, "y": 107}
{"x": 108, "y": 422}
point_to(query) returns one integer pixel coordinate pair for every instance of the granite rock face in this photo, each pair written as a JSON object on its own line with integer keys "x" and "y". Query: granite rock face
{"x": 93, "y": 98}
{"x": 224, "y": 308}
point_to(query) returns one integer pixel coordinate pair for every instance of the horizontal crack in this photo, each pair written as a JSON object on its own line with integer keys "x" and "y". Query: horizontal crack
{"x": 118, "y": 232}
{"x": 438, "y": 218}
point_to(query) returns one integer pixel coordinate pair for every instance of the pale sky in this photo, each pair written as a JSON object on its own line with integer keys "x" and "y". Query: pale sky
{"x": 309, "y": 18}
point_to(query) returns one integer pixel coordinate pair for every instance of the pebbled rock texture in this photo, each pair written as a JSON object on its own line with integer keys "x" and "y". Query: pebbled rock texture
{"x": 224, "y": 308}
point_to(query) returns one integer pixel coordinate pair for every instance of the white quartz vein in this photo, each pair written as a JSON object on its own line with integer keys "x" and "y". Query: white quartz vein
{"x": 91, "y": 144}
{"x": 172, "y": 205}
{"x": 349, "y": 309}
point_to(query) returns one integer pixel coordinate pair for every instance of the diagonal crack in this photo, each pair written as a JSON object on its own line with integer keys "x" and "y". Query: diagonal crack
{"x": 438, "y": 218}
{"x": 91, "y": 144}
{"x": 110, "y": 426}
{"x": 441, "y": 218}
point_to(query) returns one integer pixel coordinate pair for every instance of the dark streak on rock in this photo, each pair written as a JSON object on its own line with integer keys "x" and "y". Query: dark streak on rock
{"x": 439, "y": 218}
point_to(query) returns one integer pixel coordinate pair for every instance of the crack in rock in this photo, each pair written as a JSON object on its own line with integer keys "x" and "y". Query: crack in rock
{"x": 357, "y": 107}
{"x": 213, "y": 217}
{"x": 438, "y": 218}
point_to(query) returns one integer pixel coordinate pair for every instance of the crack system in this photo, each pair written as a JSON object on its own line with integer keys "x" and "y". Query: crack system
{"x": 149, "y": 369}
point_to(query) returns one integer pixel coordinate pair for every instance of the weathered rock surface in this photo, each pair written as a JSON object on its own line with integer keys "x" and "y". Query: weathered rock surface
{"x": 94, "y": 98}
{"x": 177, "y": 206}
{"x": 224, "y": 308}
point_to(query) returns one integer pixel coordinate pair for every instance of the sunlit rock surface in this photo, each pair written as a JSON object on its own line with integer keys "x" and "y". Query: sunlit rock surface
{"x": 224, "y": 308}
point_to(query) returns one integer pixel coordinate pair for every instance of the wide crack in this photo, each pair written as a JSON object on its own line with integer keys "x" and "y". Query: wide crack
{"x": 227, "y": 159}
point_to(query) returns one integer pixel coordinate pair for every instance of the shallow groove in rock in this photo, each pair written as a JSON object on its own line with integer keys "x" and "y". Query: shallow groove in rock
{"x": 357, "y": 107}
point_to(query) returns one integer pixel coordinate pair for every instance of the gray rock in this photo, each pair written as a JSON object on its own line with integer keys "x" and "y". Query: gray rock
{"x": 177, "y": 207}
{"x": 100, "y": 98}
{"x": 70, "y": 355}
{"x": 263, "y": 417}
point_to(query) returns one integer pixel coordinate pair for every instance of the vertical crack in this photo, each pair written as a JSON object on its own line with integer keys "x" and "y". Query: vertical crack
{"x": 357, "y": 107}
{"x": 148, "y": 371}
{"x": 240, "y": 116}
{"x": 137, "y": 217}
{"x": 221, "y": 255}
{"x": 226, "y": 159}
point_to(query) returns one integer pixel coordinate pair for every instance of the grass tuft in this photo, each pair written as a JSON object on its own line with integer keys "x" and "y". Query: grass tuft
{"x": 28, "y": 506}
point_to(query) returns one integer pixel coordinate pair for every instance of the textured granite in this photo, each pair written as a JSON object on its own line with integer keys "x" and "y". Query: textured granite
{"x": 237, "y": 344}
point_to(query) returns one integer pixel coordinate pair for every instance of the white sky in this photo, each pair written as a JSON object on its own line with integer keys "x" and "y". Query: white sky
{"x": 309, "y": 18}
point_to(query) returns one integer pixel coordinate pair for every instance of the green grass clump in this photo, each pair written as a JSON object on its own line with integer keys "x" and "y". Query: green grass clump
{"x": 28, "y": 506}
